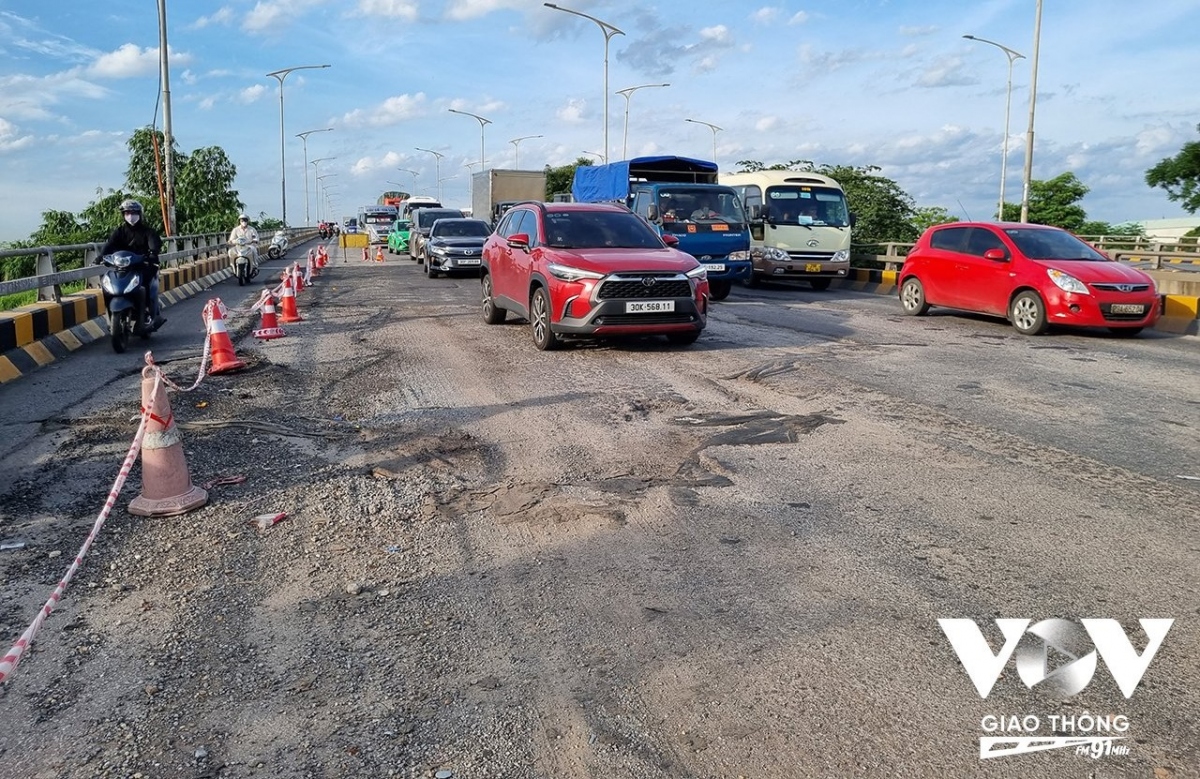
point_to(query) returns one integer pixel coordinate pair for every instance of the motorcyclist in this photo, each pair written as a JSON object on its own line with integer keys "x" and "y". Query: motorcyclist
{"x": 135, "y": 235}
{"x": 244, "y": 230}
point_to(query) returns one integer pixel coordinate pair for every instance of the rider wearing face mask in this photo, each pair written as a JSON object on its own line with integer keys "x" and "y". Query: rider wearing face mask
{"x": 135, "y": 235}
{"x": 245, "y": 230}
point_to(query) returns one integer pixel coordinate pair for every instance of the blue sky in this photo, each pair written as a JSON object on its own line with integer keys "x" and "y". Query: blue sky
{"x": 858, "y": 82}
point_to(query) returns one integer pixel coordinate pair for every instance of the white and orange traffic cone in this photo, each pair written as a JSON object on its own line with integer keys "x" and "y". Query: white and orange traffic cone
{"x": 224, "y": 359}
{"x": 167, "y": 488}
{"x": 288, "y": 303}
{"x": 322, "y": 256}
{"x": 269, "y": 329}
{"x": 297, "y": 277}
{"x": 366, "y": 254}
{"x": 379, "y": 254}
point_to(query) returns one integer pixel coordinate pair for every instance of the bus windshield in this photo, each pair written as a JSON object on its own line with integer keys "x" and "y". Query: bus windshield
{"x": 807, "y": 205}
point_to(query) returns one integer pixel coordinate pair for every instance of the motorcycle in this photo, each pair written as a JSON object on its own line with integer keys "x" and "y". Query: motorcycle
{"x": 129, "y": 311}
{"x": 245, "y": 262}
{"x": 278, "y": 247}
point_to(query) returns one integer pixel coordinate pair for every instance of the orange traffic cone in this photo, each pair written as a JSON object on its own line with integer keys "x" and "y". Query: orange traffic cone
{"x": 224, "y": 359}
{"x": 314, "y": 268}
{"x": 270, "y": 329}
{"x": 322, "y": 256}
{"x": 297, "y": 277}
{"x": 366, "y": 254}
{"x": 167, "y": 488}
{"x": 288, "y": 302}
{"x": 379, "y": 254}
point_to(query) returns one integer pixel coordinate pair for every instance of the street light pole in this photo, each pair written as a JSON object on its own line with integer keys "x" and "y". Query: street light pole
{"x": 316, "y": 167}
{"x": 168, "y": 207}
{"x": 318, "y": 181}
{"x": 482, "y": 123}
{"x": 627, "y": 92}
{"x": 1028, "y": 178}
{"x": 280, "y": 75}
{"x": 714, "y": 129}
{"x": 414, "y": 175}
{"x": 516, "y": 142}
{"x": 609, "y": 31}
{"x": 1012, "y": 57}
{"x": 304, "y": 138}
{"x": 437, "y": 168}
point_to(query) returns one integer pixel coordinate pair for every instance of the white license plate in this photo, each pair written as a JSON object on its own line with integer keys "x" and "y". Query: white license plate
{"x": 715, "y": 267}
{"x": 1127, "y": 308}
{"x": 649, "y": 306}
{"x": 468, "y": 262}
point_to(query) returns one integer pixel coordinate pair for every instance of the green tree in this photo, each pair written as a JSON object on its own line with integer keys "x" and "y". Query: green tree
{"x": 1097, "y": 228}
{"x": 1053, "y": 202}
{"x": 1180, "y": 176}
{"x": 266, "y": 223}
{"x": 205, "y": 201}
{"x": 560, "y": 179}
{"x": 928, "y": 216}
{"x": 883, "y": 210}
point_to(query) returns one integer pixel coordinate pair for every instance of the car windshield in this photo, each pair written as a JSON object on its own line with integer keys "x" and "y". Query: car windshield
{"x": 402, "y": 225}
{"x": 463, "y": 229}
{"x": 599, "y": 230}
{"x": 797, "y": 204}
{"x": 1042, "y": 244}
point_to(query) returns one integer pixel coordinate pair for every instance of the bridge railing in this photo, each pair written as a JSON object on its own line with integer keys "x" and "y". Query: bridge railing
{"x": 177, "y": 250}
{"x": 1148, "y": 255}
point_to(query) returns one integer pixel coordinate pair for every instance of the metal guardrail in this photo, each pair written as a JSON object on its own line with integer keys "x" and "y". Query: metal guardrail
{"x": 1164, "y": 256}
{"x": 176, "y": 251}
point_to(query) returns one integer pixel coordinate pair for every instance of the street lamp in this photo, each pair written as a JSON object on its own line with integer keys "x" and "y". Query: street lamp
{"x": 516, "y": 142}
{"x": 321, "y": 178}
{"x": 714, "y": 129}
{"x": 280, "y": 75}
{"x": 609, "y": 31}
{"x": 316, "y": 168}
{"x": 1028, "y": 177}
{"x": 593, "y": 154}
{"x": 304, "y": 138}
{"x": 1012, "y": 57}
{"x": 626, "y": 93}
{"x": 414, "y": 175}
{"x": 482, "y": 123}
{"x": 437, "y": 168}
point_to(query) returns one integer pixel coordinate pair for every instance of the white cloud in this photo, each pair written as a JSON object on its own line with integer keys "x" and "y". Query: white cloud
{"x": 394, "y": 110}
{"x": 369, "y": 165}
{"x": 766, "y": 123}
{"x": 462, "y": 10}
{"x": 717, "y": 34}
{"x": 31, "y": 98}
{"x": 800, "y": 17}
{"x": 271, "y": 14}
{"x": 251, "y": 94}
{"x": 223, "y": 16}
{"x": 207, "y": 103}
{"x": 10, "y": 140}
{"x": 913, "y": 31}
{"x": 765, "y": 15}
{"x": 947, "y": 72}
{"x": 400, "y": 9}
{"x": 574, "y": 112}
{"x": 130, "y": 61}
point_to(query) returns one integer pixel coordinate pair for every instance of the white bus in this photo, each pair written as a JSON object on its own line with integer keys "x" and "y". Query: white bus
{"x": 799, "y": 225}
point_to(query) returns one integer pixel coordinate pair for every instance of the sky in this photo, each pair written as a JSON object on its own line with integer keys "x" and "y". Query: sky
{"x": 889, "y": 83}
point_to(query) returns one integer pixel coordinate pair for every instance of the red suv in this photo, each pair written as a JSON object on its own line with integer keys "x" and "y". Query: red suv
{"x": 1034, "y": 275}
{"x": 590, "y": 269}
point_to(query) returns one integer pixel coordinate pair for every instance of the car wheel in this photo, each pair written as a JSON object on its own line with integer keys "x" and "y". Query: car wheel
{"x": 1124, "y": 332}
{"x": 719, "y": 290}
{"x": 683, "y": 339}
{"x": 539, "y": 319}
{"x": 820, "y": 285}
{"x": 429, "y": 271}
{"x": 912, "y": 297}
{"x": 1028, "y": 313}
{"x": 492, "y": 314}
{"x": 752, "y": 280}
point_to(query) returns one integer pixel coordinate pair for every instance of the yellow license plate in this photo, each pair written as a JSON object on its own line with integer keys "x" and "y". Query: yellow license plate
{"x": 812, "y": 267}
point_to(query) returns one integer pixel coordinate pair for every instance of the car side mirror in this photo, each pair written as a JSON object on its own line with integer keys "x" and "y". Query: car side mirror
{"x": 518, "y": 241}
{"x": 756, "y": 213}
{"x": 999, "y": 255}
{"x": 670, "y": 239}
{"x": 853, "y": 219}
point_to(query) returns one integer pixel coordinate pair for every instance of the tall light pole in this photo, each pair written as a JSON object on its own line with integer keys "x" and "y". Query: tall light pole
{"x": 714, "y": 129}
{"x": 304, "y": 138}
{"x": 593, "y": 154}
{"x": 414, "y": 175}
{"x": 318, "y": 181}
{"x": 1012, "y": 57}
{"x": 609, "y": 31}
{"x": 168, "y": 206}
{"x": 627, "y": 92}
{"x": 316, "y": 167}
{"x": 516, "y": 142}
{"x": 280, "y": 75}
{"x": 437, "y": 168}
{"x": 482, "y": 123}
{"x": 1028, "y": 177}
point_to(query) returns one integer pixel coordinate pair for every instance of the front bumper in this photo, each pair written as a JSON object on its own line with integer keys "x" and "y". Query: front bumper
{"x": 609, "y": 317}
{"x": 1096, "y": 310}
{"x": 726, "y": 270}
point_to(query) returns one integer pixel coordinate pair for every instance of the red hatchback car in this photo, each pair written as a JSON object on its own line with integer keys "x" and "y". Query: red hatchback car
{"x": 1033, "y": 275}
{"x": 590, "y": 269}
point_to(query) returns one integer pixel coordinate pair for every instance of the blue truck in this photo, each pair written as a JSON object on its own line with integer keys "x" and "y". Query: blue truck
{"x": 680, "y": 196}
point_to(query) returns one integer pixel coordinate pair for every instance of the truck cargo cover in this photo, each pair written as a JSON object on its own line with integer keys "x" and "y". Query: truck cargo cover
{"x": 599, "y": 183}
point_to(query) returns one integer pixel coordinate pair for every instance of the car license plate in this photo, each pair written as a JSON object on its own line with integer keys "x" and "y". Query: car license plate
{"x": 474, "y": 261}
{"x": 649, "y": 306}
{"x": 1127, "y": 308}
{"x": 812, "y": 267}
{"x": 715, "y": 267}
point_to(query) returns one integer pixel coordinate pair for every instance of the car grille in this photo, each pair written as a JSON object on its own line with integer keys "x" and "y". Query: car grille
{"x": 626, "y": 288}
{"x": 644, "y": 319}
{"x": 807, "y": 256}
{"x": 453, "y": 252}
{"x": 1110, "y": 287}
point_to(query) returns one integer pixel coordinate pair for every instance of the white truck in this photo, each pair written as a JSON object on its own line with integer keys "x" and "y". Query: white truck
{"x": 493, "y": 191}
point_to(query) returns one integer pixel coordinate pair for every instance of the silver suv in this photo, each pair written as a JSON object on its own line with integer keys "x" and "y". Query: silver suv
{"x": 422, "y": 220}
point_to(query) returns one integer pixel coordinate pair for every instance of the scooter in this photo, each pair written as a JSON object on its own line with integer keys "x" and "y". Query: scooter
{"x": 125, "y": 299}
{"x": 279, "y": 246}
{"x": 245, "y": 265}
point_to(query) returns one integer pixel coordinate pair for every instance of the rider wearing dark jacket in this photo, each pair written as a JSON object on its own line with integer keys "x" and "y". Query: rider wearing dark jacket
{"x": 134, "y": 235}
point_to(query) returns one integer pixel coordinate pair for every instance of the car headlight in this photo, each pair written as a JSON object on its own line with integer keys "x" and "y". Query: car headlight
{"x": 841, "y": 255}
{"x": 739, "y": 256}
{"x": 567, "y": 273}
{"x": 438, "y": 250}
{"x": 699, "y": 272}
{"x": 1066, "y": 282}
{"x": 773, "y": 253}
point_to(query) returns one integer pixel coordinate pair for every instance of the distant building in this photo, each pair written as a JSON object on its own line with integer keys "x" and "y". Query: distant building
{"x": 1169, "y": 229}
